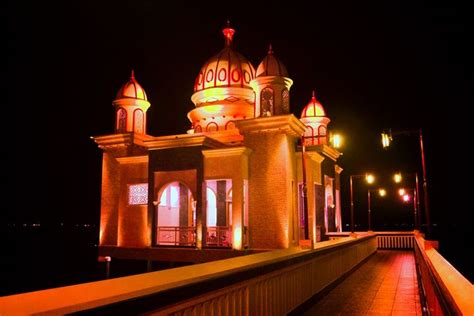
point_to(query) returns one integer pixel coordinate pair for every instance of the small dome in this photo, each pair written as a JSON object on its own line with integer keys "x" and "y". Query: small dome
{"x": 132, "y": 89}
{"x": 225, "y": 69}
{"x": 313, "y": 109}
{"x": 271, "y": 66}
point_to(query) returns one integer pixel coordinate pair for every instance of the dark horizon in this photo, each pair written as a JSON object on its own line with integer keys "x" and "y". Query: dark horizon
{"x": 373, "y": 66}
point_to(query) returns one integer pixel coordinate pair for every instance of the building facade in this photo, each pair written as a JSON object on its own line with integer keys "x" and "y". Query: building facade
{"x": 247, "y": 175}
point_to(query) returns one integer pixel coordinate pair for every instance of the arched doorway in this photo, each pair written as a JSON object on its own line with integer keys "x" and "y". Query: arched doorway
{"x": 218, "y": 218}
{"x": 211, "y": 219}
{"x": 175, "y": 216}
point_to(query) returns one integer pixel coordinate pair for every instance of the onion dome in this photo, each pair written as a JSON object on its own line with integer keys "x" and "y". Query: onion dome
{"x": 271, "y": 66}
{"x": 313, "y": 109}
{"x": 132, "y": 89}
{"x": 131, "y": 105}
{"x": 314, "y": 118}
{"x": 225, "y": 69}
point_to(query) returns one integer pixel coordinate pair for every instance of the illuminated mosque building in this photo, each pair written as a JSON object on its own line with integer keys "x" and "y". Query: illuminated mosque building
{"x": 248, "y": 175}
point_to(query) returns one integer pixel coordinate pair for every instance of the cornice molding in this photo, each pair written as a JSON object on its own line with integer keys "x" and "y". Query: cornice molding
{"x": 265, "y": 80}
{"x": 227, "y": 152}
{"x": 133, "y": 159}
{"x": 326, "y": 150}
{"x": 287, "y": 124}
{"x": 183, "y": 140}
{"x": 315, "y": 156}
{"x": 113, "y": 140}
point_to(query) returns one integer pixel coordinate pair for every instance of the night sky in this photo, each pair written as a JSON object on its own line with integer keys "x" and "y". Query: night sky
{"x": 374, "y": 65}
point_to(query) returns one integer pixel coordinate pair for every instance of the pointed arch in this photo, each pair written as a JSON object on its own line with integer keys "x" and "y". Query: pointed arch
{"x": 267, "y": 100}
{"x": 309, "y": 134}
{"x": 285, "y": 101}
{"x": 138, "y": 121}
{"x": 121, "y": 116}
{"x": 322, "y": 134}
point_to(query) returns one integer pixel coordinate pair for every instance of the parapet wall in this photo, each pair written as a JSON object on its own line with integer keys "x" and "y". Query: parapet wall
{"x": 271, "y": 283}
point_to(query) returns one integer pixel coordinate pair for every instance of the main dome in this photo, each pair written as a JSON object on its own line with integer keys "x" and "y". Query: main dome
{"x": 132, "y": 89}
{"x": 225, "y": 69}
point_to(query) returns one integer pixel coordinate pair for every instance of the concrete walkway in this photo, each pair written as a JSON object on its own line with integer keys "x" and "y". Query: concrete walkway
{"x": 385, "y": 285}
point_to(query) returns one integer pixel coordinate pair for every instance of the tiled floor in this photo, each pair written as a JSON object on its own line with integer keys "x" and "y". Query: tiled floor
{"x": 385, "y": 285}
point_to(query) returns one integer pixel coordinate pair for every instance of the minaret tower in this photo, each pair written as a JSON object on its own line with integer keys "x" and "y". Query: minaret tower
{"x": 316, "y": 121}
{"x": 272, "y": 87}
{"x": 131, "y": 105}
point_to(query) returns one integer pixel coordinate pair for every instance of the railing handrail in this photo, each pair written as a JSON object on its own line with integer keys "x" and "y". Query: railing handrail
{"x": 454, "y": 293}
{"x": 176, "y": 232}
{"x": 173, "y": 284}
{"x": 222, "y": 237}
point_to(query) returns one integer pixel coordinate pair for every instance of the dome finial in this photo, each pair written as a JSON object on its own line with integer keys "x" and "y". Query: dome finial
{"x": 270, "y": 49}
{"x": 314, "y": 94}
{"x": 228, "y": 33}
{"x": 132, "y": 76}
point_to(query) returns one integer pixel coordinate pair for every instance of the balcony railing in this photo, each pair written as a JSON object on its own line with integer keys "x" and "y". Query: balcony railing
{"x": 445, "y": 290}
{"x": 219, "y": 236}
{"x": 176, "y": 236}
{"x": 396, "y": 240}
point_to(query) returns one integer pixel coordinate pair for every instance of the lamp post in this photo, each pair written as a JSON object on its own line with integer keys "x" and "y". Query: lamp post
{"x": 416, "y": 205}
{"x": 416, "y": 197}
{"x": 386, "y": 139}
{"x": 370, "y": 179}
{"x": 382, "y": 193}
{"x": 305, "y": 190}
{"x": 406, "y": 198}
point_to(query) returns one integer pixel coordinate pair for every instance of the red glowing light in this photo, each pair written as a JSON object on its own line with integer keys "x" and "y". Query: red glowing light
{"x": 228, "y": 33}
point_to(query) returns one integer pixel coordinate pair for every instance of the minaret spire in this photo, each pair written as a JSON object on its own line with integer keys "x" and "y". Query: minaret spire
{"x": 228, "y": 33}
{"x": 270, "y": 49}
{"x": 132, "y": 76}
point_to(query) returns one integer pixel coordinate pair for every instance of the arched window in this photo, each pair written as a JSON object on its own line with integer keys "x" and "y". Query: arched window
{"x": 198, "y": 129}
{"x": 230, "y": 125}
{"x": 266, "y": 102}
{"x": 212, "y": 127}
{"x": 121, "y": 120}
{"x": 322, "y": 134}
{"x": 285, "y": 101}
{"x": 309, "y": 135}
{"x": 138, "y": 121}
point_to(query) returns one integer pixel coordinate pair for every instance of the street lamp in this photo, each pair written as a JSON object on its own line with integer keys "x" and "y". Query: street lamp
{"x": 335, "y": 140}
{"x": 386, "y": 139}
{"x": 416, "y": 195}
{"x": 369, "y": 178}
{"x": 397, "y": 177}
{"x": 382, "y": 193}
{"x": 416, "y": 204}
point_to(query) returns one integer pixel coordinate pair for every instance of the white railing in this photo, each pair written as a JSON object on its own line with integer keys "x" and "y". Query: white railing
{"x": 219, "y": 236}
{"x": 176, "y": 236}
{"x": 395, "y": 241}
